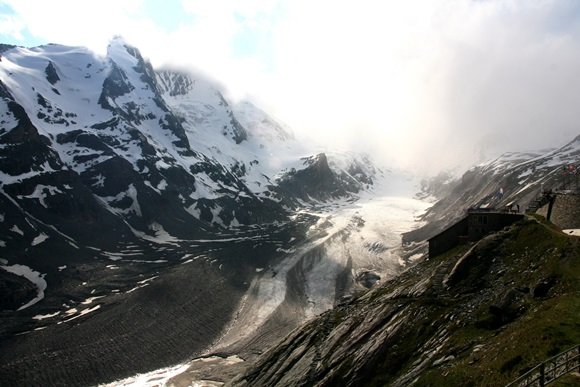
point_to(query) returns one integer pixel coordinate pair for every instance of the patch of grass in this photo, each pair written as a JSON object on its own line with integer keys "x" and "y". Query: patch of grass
{"x": 511, "y": 363}
{"x": 530, "y": 252}
{"x": 434, "y": 378}
{"x": 570, "y": 380}
{"x": 456, "y": 251}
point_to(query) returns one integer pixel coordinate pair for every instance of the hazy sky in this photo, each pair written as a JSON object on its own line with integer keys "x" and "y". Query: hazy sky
{"x": 421, "y": 82}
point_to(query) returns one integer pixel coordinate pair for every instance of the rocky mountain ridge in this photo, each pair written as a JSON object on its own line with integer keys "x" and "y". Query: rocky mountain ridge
{"x": 129, "y": 151}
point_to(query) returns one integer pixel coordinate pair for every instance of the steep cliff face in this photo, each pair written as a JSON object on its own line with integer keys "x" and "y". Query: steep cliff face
{"x": 315, "y": 180}
{"x": 478, "y": 315}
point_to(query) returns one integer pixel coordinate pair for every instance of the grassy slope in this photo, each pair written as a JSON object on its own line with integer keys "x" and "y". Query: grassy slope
{"x": 549, "y": 325}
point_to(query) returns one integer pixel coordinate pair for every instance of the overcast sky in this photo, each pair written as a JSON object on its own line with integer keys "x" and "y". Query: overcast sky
{"x": 427, "y": 83}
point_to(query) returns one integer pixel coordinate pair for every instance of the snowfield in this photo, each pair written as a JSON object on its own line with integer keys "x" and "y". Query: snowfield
{"x": 572, "y": 231}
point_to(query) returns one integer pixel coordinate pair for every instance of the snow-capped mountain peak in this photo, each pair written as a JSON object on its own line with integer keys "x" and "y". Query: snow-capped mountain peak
{"x": 135, "y": 138}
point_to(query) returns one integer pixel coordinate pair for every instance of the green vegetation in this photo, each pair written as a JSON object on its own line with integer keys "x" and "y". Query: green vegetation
{"x": 570, "y": 380}
{"x": 542, "y": 266}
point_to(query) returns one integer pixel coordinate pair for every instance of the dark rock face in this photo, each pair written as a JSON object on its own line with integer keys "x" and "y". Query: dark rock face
{"x": 115, "y": 85}
{"x": 25, "y": 141}
{"x": 175, "y": 82}
{"x": 235, "y": 130}
{"x": 51, "y": 74}
{"x": 511, "y": 306}
{"x": 64, "y": 205}
{"x": 543, "y": 287}
{"x": 5, "y": 47}
{"x": 15, "y": 291}
{"x": 317, "y": 180}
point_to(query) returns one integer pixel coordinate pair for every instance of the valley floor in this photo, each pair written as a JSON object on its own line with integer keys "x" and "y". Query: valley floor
{"x": 349, "y": 239}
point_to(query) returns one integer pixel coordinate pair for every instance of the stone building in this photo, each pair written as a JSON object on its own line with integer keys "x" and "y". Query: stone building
{"x": 475, "y": 225}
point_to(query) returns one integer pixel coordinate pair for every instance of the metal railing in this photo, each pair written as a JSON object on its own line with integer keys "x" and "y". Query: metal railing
{"x": 551, "y": 369}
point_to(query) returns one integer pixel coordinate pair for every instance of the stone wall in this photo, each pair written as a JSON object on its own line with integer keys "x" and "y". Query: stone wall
{"x": 471, "y": 228}
{"x": 448, "y": 238}
{"x": 483, "y": 223}
{"x": 566, "y": 211}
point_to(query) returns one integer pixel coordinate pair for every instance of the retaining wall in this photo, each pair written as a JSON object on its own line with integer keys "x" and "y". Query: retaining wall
{"x": 566, "y": 211}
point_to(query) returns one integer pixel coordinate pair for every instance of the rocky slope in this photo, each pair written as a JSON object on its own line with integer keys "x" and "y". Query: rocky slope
{"x": 478, "y": 315}
{"x": 512, "y": 179}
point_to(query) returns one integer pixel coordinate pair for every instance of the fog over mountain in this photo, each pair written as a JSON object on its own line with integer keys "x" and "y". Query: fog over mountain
{"x": 400, "y": 81}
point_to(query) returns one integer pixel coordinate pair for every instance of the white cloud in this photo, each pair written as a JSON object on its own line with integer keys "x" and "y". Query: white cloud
{"x": 84, "y": 23}
{"x": 402, "y": 79}
{"x": 12, "y": 26}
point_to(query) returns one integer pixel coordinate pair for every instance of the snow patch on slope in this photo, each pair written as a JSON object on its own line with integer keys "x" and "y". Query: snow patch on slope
{"x": 41, "y": 192}
{"x": 157, "y": 378}
{"x": 39, "y": 239}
